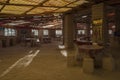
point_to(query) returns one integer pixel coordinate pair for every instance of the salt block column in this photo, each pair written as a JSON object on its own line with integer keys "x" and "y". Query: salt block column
{"x": 68, "y": 38}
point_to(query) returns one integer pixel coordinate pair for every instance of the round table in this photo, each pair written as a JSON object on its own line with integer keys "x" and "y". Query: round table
{"x": 90, "y": 48}
{"x": 91, "y": 51}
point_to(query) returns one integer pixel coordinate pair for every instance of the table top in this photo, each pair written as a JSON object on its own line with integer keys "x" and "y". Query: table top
{"x": 30, "y": 38}
{"x": 90, "y": 47}
{"x": 83, "y": 42}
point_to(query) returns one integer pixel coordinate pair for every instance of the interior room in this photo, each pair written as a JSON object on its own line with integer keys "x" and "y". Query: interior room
{"x": 59, "y": 39}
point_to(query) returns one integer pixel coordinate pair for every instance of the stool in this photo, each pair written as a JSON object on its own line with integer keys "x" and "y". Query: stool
{"x": 108, "y": 63}
{"x": 88, "y": 65}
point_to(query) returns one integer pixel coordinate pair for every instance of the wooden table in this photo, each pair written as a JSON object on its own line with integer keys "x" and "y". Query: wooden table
{"x": 91, "y": 51}
{"x": 83, "y": 42}
{"x": 46, "y": 39}
{"x": 31, "y": 41}
{"x": 88, "y": 49}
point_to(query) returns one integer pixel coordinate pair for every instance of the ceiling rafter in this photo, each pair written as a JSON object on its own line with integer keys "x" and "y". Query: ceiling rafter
{"x": 16, "y": 4}
{"x": 30, "y": 5}
{"x": 4, "y": 5}
{"x": 44, "y": 4}
{"x": 40, "y": 4}
{"x": 67, "y": 5}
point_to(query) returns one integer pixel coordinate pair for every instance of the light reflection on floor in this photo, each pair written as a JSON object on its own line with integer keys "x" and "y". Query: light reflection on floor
{"x": 31, "y": 51}
{"x": 61, "y": 46}
{"x": 22, "y": 62}
{"x": 64, "y": 53}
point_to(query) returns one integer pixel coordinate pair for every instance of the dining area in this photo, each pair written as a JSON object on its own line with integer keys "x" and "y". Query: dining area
{"x": 31, "y": 42}
{"x": 92, "y": 56}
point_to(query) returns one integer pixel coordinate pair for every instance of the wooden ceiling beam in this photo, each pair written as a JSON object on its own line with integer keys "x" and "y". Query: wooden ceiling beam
{"x": 4, "y": 5}
{"x": 35, "y": 6}
{"x": 16, "y": 4}
{"x": 30, "y": 5}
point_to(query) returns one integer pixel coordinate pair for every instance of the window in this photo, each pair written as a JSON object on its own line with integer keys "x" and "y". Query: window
{"x": 13, "y": 32}
{"x": 110, "y": 32}
{"x": 9, "y": 32}
{"x": 1, "y": 31}
{"x": 35, "y": 32}
{"x": 45, "y": 32}
{"x": 6, "y": 32}
{"x": 81, "y": 32}
{"x": 91, "y": 32}
{"x": 58, "y": 32}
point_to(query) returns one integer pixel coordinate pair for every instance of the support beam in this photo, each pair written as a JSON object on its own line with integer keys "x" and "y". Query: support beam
{"x": 69, "y": 36}
{"x": 100, "y": 28}
{"x": 69, "y": 31}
